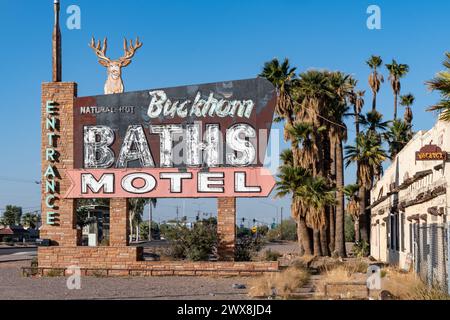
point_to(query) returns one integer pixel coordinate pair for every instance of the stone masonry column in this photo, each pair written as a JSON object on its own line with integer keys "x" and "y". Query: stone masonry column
{"x": 57, "y": 157}
{"x": 226, "y": 227}
{"x": 118, "y": 222}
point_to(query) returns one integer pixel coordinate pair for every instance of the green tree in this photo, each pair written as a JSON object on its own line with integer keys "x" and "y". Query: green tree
{"x": 407, "y": 101}
{"x": 342, "y": 87}
{"x": 12, "y": 215}
{"x": 375, "y": 78}
{"x": 351, "y": 192}
{"x": 397, "y": 136}
{"x": 441, "y": 83}
{"x": 194, "y": 244}
{"x": 31, "y": 220}
{"x": 396, "y": 72}
{"x": 289, "y": 178}
{"x": 281, "y": 75}
{"x": 370, "y": 154}
{"x": 316, "y": 194}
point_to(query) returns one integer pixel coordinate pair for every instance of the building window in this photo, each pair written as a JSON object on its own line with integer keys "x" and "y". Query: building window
{"x": 397, "y": 232}
{"x": 402, "y": 236}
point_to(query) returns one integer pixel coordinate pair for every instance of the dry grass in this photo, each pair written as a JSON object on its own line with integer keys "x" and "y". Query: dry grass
{"x": 408, "y": 286}
{"x": 351, "y": 272}
{"x": 278, "y": 284}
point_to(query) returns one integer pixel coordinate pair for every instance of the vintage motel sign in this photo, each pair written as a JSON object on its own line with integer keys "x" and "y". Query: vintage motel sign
{"x": 205, "y": 140}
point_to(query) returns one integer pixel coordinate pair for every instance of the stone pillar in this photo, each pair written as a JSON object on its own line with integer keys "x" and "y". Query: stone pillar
{"x": 226, "y": 227}
{"x": 118, "y": 222}
{"x": 57, "y": 157}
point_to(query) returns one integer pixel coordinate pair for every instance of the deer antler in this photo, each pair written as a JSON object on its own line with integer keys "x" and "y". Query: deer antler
{"x": 99, "y": 50}
{"x": 129, "y": 52}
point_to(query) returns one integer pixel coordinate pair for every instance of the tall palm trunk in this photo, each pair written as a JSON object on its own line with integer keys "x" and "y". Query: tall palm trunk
{"x": 316, "y": 242}
{"x": 340, "y": 214}
{"x": 332, "y": 209}
{"x": 363, "y": 223}
{"x": 395, "y": 105}
{"x": 358, "y": 180}
{"x": 324, "y": 241}
{"x": 301, "y": 236}
{"x": 374, "y": 101}
{"x": 302, "y": 230}
{"x": 356, "y": 227}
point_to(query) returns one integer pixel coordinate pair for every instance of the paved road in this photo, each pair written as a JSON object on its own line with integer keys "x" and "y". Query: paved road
{"x": 17, "y": 253}
{"x": 14, "y": 250}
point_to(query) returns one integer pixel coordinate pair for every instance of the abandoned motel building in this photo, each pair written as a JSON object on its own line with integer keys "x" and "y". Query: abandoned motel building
{"x": 410, "y": 208}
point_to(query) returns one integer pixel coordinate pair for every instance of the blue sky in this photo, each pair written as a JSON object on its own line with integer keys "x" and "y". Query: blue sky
{"x": 188, "y": 42}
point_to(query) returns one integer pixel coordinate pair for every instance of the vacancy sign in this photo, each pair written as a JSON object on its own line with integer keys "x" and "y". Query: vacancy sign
{"x": 205, "y": 140}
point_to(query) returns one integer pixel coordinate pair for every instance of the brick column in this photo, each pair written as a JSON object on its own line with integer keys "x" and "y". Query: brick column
{"x": 118, "y": 222}
{"x": 226, "y": 227}
{"x": 57, "y": 139}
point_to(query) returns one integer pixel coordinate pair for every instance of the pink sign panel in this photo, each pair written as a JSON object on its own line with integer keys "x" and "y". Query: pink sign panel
{"x": 170, "y": 183}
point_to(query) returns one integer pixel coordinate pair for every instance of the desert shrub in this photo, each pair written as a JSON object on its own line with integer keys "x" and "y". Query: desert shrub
{"x": 287, "y": 231}
{"x": 408, "y": 286}
{"x": 104, "y": 242}
{"x": 246, "y": 247}
{"x": 54, "y": 273}
{"x": 273, "y": 235}
{"x": 143, "y": 230}
{"x": 7, "y": 239}
{"x": 361, "y": 249}
{"x": 278, "y": 284}
{"x": 349, "y": 229}
{"x": 243, "y": 232}
{"x": 34, "y": 262}
{"x": 270, "y": 255}
{"x": 194, "y": 244}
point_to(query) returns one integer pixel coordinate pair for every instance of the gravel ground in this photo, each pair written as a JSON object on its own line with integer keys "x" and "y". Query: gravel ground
{"x": 14, "y": 286}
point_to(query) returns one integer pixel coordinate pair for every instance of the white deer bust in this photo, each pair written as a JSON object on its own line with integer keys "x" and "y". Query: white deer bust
{"x": 114, "y": 83}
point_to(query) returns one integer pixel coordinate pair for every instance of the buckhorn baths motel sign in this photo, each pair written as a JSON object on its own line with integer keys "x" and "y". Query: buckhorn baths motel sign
{"x": 192, "y": 141}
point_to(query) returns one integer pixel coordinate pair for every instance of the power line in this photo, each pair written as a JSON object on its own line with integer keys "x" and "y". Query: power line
{"x": 9, "y": 179}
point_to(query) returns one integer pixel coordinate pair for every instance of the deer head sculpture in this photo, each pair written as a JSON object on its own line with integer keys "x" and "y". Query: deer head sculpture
{"x": 114, "y": 83}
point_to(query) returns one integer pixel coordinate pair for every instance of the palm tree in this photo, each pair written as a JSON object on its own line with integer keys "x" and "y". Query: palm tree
{"x": 357, "y": 101}
{"x": 302, "y": 135}
{"x": 407, "y": 100}
{"x": 351, "y": 194}
{"x": 135, "y": 212}
{"x": 341, "y": 87}
{"x": 31, "y": 220}
{"x": 396, "y": 72}
{"x": 289, "y": 180}
{"x": 373, "y": 122}
{"x": 375, "y": 127}
{"x": 369, "y": 153}
{"x": 397, "y": 136}
{"x": 315, "y": 194}
{"x": 375, "y": 78}
{"x": 281, "y": 76}
{"x": 441, "y": 83}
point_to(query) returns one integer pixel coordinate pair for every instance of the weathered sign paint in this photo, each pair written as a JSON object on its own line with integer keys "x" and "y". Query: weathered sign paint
{"x": 51, "y": 156}
{"x": 170, "y": 183}
{"x": 431, "y": 152}
{"x": 206, "y": 126}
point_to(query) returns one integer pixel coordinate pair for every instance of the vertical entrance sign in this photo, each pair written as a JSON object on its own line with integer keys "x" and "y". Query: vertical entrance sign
{"x": 206, "y": 140}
